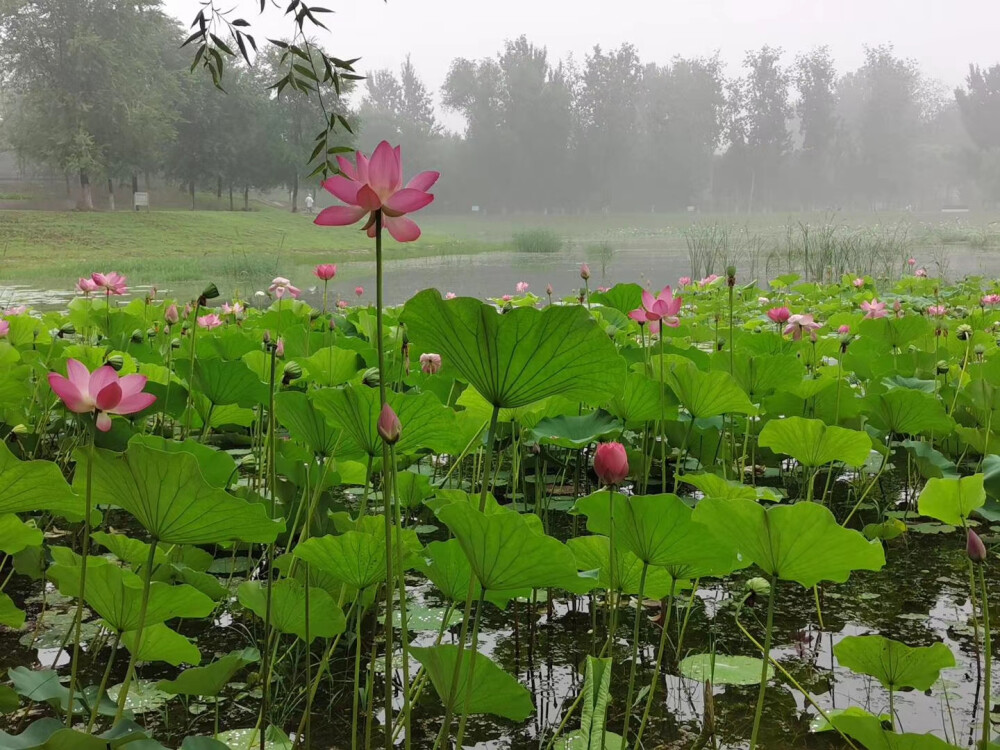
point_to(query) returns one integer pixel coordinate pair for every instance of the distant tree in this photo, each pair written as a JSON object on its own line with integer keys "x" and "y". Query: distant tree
{"x": 979, "y": 105}
{"x": 815, "y": 77}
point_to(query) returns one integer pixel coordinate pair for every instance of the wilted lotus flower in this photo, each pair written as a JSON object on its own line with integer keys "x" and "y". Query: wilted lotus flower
{"x": 797, "y": 324}
{"x": 779, "y": 314}
{"x": 611, "y": 463}
{"x": 660, "y": 309}
{"x": 974, "y": 547}
{"x": 389, "y": 428}
{"x": 102, "y": 392}
{"x": 873, "y": 309}
{"x": 209, "y": 321}
{"x": 376, "y": 184}
{"x": 430, "y": 363}
{"x": 325, "y": 271}
{"x": 280, "y": 286}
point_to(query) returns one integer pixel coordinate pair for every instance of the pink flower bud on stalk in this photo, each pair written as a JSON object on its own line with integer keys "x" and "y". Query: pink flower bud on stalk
{"x": 279, "y": 350}
{"x": 430, "y": 363}
{"x": 171, "y": 315}
{"x": 611, "y": 463}
{"x": 584, "y": 272}
{"x": 975, "y": 548}
{"x": 389, "y": 428}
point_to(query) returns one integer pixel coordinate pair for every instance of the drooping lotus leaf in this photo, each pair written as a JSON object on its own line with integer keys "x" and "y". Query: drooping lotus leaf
{"x": 596, "y": 697}
{"x": 305, "y": 423}
{"x": 892, "y": 663}
{"x": 813, "y": 443}
{"x": 760, "y": 375}
{"x": 212, "y": 678}
{"x": 288, "y": 608}
{"x": 160, "y": 643}
{"x": 576, "y": 432}
{"x": 952, "y": 500}
{"x": 711, "y": 485}
{"x": 801, "y": 542}
{"x": 228, "y": 382}
{"x": 869, "y": 732}
{"x": 930, "y": 462}
{"x": 507, "y": 551}
{"x": 907, "y": 412}
{"x": 44, "y": 686}
{"x": 659, "y": 530}
{"x": 493, "y": 690}
{"x": 52, "y": 734}
{"x": 640, "y": 400}
{"x": 10, "y": 614}
{"x": 218, "y": 467}
{"x": 354, "y": 557}
{"x": 168, "y": 495}
{"x": 519, "y": 357}
{"x": 34, "y": 486}
{"x": 724, "y": 669}
{"x": 116, "y": 593}
{"x": 592, "y": 553}
{"x": 427, "y": 424}
{"x": 706, "y": 394}
{"x": 16, "y": 535}
{"x": 332, "y": 365}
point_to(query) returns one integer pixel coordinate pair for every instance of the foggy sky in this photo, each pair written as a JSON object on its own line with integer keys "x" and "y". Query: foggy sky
{"x": 943, "y": 36}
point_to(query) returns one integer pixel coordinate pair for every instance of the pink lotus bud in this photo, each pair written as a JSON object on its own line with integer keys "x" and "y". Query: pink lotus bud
{"x": 332, "y": 324}
{"x": 389, "y": 428}
{"x": 430, "y": 363}
{"x": 325, "y": 271}
{"x": 779, "y": 314}
{"x": 548, "y": 290}
{"x": 187, "y": 310}
{"x": 611, "y": 463}
{"x": 171, "y": 315}
{"x": 975, "y": 548}
{"x": 896, "y": 306}
{"x": 584, "y": 272}
{"x": 507, "y": 298}
{"x": 279, "y": 350}
{"x": 912, "y": 261}
{"x": 359, "y": 290}
{"x": 858, "y": 283}
{"x": 843, "y": 330}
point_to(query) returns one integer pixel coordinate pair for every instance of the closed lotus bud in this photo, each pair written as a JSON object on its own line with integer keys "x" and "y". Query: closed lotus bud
{"x": 137, "y": 336}
{"x": 430, "y": 363}
{"x": 611, "y": 463}
{"x": 20, "y": 429}
{"x": 151, "y": 332}
{"x": 584, "y": 272}
{"x": 67, "y": 329}
{"x": 292, "y": 371}
{"x": 975, "y": 548}
{"x": 548, "y": 290}
{"x": 389, "y": 428}
{"x": 117, "y": 361}
{"x": 332, "y": 325}
{"x": 279, "y": 350}
{"x": 964, "y": 332}
{"x": 171, "y": 315}
{"x": 942, "y": 367}
{"x": 371, "y": 377}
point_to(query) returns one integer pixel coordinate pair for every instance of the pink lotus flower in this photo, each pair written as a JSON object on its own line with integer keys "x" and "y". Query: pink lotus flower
{"x": 603, "y": 289}
{"x": 660, "y": 309}
{"x": 507, "y": 298}
{"x": 521, "y": 287}
{"x": 936, "y": 311}
{"x": 86, "y": 285}
{"x": 912, "y": 261}
{"x": 779, "y": 314}
{"x": 15, "y": 310}
{"x": 111, "y": 283}
{"x": 797, "y": 324}
{"x": 430, "y": 363}
{"x": 236, "y": 309}
{"x": 921, "y": 273}
{"x": 611, "y": 463}
{"x": 102, "y": 391}
{"x": 989, "y": 300}
{"x": 209, "y": 321}
{"x": 325, "y": 271}
{"x": 359, "y": 290}
{"x": 708, "y": 280}
{"x": 4, "y": 328}
{"x": 897, "y": 308}
{"x": 279, "y": 349}
{"x": 171, "y": 315}
{"x": 377, "y": 185}
{"x": 281, "y": 286}
{"x": 450, "y": 295}
{"x": 873, "y": 309}
{"x": 683, "y": 281}
{"x": 859, "y": 283}
{"x": 844, "y": 330}
{"x": 389, "y": 428}
{"x": 342, "y": 304}
{"x": 584, "y": 272}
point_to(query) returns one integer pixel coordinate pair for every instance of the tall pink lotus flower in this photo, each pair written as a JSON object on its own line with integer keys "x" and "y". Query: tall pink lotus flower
{"x": 585, "y": 272}
{"x": 376, "y": 184}
{"x": 936, "y": 311}
{"x": 859, "y": 283}
{"x": 912, "y": 262}
{"x": 110, "y": 283}
{"x": 683, "y": 281}
{"x": 209, "y": 321}
{"x": 660, "y": 309}
{"x": 4, "y": 328}
{"x": 15, "y": 310}
{"x": 799, "y": 323}
{"x": 873, "y": 309}
{"x": 779, "y": 314}
{"x": 86, "y": 285}
{"x": 102, "y": 392}
{"x": 708, "y": 280}
{"x": 921, "y": 273}
{"x": 521, "y": 287}
{"x": 280, "y": 286}
{"x": 359, "y": 290}
{"x": 430, "y": 363}
{"x": 325, "y": 271}
{"x": 171, "y": 315}
{"x": 990, "y": 300}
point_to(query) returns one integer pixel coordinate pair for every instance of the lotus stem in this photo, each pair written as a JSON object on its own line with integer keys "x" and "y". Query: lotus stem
{"x": 766, "y": 650}
{"x": 147, "y": 576}
{"x": 78, "y": 614}
{"x": 987, "y": 658}
{"x": 357, "y": 675}
{"x": 612, "y": 576}
{"x": 635, "y": 650}
{"x": 472, "y": 670}
{"x": 659, "y": 665}
{"x": 401, "y": 578}
{"x": 190, "y": 384}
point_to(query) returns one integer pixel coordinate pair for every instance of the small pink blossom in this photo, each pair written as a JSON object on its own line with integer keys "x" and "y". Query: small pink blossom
{"x": 936, "y": 311}
{"x": 683, "y": 281}
{"x": 209, "y": 321}
{"x": 548, "y": 289}
{"x": 450, "y": 295}
{"x": 585, "y": 272}
{"x": 359, "y": 290}
{"x": 15, "y": 310}
{"x": 921, "y": 273}
{"x": 430, "y": 363}
{"x": 281, "y": 286}
{"x": 799, "y": 323}
{"x": 603, "y": 288}
{"x": 663, "y": 308}
{"x": 708, "y": 280}
{"x": 342, "y": 304}
{"x": 4, "y": 328}
{"x": 989, "y": 300}
{"x": 912, "y": 262}
{"x": 779, "y": 314}
{"x": 763, "y": 301}
{"x": 873, "y": 309}
{"x": 858, "y": 283}
{"x": 507, "y": 298}
{"x": 521, "y": 287}
{"x": 279, "y": 349}
{"x": 844, "y": 330}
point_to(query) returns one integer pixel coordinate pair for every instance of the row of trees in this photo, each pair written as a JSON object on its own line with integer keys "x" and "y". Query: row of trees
{"x": 102, "y": 89}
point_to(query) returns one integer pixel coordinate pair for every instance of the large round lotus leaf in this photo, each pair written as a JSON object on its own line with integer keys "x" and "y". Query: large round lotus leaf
{"x": 723, "y": 669}
{"x": 952, "y": 500}
{"x": 892, "y": 663}
{"x": 813, "y": 443}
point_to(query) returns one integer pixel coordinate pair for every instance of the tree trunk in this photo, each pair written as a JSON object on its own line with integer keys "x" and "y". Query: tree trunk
{"x": 111, "y": 194}
{"x": 135, "y": 186}
{"x": 246, "y": 197}
{"x": 191, "y": 193}
{"x": 295, "y": 193}
{"x": 231, "y": 197}
{"x": 218, "y": 188}
{"x": 86, "y": 201}
{"x": 69, "y": 186}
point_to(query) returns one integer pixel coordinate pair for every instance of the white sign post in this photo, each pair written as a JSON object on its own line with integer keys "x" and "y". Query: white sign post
{"x": 140, "y": 199}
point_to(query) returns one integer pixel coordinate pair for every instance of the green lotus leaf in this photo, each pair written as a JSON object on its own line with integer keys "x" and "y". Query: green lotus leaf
{"x": 520, "y": 357}
{"x": 592, "y": 553}
{"x": 593, "y": 733}
{"x": 212, "y": 678}
{"x": 16, "y": 535}
{"x": 447, "y": 567}
{"x": 892, "y": 663}
{"x": 576, "y": 432}
{"x": 640, "y": 400}
{"x": 622, "y": 297}
{"x": 412, "y": 488}
{"x": 706, "y": 394}
{"x": 228, "y": 382}
{"x": 801, "y": 542}
{"x": 869, "y": 732}
{"x": 305, "y": 423}
{"x": 354, "y": 557}
{"x": 931, "y": 463}
{"x": 907, "y": 412}
{"x": 712, "y": 485}
{"x": 167, "y": 494}
{"x": 951, "y": 501}
{"x": 160, "y": 643}
{"x": 288, "y": 608}
{"x": 813, "y": 443}
{"x": 34, "y": 486}
{"x": 218, "y": 467}
{"x": 760, "y": 375}
{"x": 10, "y": 614}
{"x": 332, "y": 366}
{"x": 44, "y": 686}
{"x": 493, "y": 691}
{"x": 723, "y": 669}
{"x": 51, "y": 734}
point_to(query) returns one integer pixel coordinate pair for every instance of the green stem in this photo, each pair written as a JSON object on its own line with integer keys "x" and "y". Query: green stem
{"x": 104, "y": 682}
{"x": 659, "y": 665}
{"x": 401, "y": 579}
{"x": 987, "y": 658}
{"x": 472, "y": 670}
{"x": 767, "y": 656}
{"x": 78, "y": 615}
{"x": 357, "y": 676}
{"x": 612, "y": 575}
{"x": 190, "y": 383}
{"x": 143, "y": 606}
{"x": 635, "y": 650}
